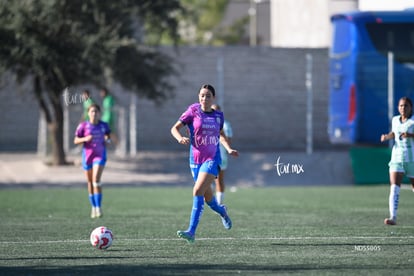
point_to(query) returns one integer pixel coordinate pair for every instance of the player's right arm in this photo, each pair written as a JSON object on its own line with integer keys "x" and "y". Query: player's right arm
{"x": 80, "y": 135}
{"x": 80, "y": 140}
{"x": 175, "y": 132}
{"x": 385, "y": 137}
{"x": 391, "y": 134}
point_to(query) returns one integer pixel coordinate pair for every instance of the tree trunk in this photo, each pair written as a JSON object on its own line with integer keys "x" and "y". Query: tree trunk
{"x": 58, "y": 153}
{"x": 56, "y": 130}
{"x": 54, "y": 122}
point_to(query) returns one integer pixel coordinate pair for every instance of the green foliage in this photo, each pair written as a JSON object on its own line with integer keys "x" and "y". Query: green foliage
{"x": 234, "y": 34}
{"x": 63, "y": 43}
{"x": 278, "y": 230}
{"x": 202, "y": 24}
{"x": 68, "y": 43}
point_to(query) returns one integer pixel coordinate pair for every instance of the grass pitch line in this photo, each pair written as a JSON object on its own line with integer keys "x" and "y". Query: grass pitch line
{"x": 223, "y": 239}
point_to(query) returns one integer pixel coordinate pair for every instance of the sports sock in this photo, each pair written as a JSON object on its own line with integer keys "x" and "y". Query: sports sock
{"x": 98, "y": 200}
{"x": 196, "y": 212}
{"x": 220, "y": 197}
{"x": 92, "y": 200}
{"x": 216, "y": 207}
{"x": 393, "y": 201}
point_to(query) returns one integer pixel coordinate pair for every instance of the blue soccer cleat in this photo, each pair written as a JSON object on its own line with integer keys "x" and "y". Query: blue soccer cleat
{"x": 190, "y": 238}
{"x": 225, "y": 219}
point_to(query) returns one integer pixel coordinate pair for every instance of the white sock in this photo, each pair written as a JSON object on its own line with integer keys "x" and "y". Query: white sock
{"x": 393, "y": 201}
{"x": 219, "y": 197}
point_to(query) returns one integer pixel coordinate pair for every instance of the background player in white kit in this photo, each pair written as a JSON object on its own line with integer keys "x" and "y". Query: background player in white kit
{"x": 219, "y": 181}
{"x": 402, "y": 156}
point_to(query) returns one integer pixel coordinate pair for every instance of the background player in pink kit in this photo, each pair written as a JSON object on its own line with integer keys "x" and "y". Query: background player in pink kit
{"x": 93, "y": 134}
{"x": 205, "y": 127}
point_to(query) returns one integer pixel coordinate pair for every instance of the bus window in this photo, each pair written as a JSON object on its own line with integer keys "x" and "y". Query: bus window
{"x": 393, "y": 37}
{"x": 358, "y": 81}
{"x": 342, "y": 33}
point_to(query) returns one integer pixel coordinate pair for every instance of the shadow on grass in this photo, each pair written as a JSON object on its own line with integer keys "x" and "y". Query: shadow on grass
{"x": 193, "y": 269}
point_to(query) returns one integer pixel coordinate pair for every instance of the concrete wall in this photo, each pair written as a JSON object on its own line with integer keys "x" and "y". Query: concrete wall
{"x": 263, "y": 95}
{"x": 304, "y": 23}
{"x": 19, "y": 116}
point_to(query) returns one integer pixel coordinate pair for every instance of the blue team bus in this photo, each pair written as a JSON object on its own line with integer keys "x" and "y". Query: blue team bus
{"x": 358, "y": 83}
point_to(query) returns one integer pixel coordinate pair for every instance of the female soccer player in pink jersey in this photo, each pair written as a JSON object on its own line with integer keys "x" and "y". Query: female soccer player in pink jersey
{"x": 205, "y": 127}
{"x": 93, "y": 134}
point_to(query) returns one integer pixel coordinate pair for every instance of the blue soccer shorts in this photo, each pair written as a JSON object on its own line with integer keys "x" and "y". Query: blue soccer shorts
{"x": 88, "y": 161}
{"x": 210, "y": 167}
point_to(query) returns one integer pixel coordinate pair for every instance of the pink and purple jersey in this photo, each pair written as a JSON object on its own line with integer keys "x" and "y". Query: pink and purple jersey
{"x": 204, "y": 130}
{"x": 94, "y": 151}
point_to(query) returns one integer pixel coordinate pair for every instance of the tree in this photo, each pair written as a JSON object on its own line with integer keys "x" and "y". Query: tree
{"x": 63, "y": 43}
{"x": 202, "y": 24}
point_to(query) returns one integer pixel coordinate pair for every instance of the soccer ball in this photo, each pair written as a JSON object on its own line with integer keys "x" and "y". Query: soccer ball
{"x": 101, "y": 237}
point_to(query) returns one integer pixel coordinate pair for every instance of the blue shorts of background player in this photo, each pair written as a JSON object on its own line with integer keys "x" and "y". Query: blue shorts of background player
{"x": 210, "y": 167}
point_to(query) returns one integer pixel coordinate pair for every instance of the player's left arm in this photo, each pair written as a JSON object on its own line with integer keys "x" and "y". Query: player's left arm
{"x": 409, "y": 133}
{"x": 225, "y": 143}
{"x": 107, "y": 138}
{"x": 107, "y": 135}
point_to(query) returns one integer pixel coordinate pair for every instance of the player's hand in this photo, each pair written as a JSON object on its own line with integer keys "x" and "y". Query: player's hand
{"x": 88, "y": 138}
{"x": 384, "y": 137}
{"x": 233, "y": 152}
{"x": 184, "y": 141}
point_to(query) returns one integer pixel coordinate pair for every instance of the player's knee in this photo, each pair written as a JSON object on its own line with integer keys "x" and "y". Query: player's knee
{"x": 96, "y": 184}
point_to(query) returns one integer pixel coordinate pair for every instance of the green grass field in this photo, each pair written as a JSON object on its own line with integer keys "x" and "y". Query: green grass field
{"x": 316, "y": 231}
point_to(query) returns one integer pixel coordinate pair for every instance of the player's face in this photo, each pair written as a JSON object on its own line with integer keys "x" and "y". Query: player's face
{"x": 93, "y": 114}
{"x": 404, "y": 108}
{"x": 206, "y": 99}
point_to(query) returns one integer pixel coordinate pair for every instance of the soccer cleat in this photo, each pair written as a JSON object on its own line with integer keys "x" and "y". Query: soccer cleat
{"x": 98, "y": 212}
{"x": 389, "y": 221}
{"x": 225, "y": 219}
{"x": 186, "y": 236}
{"x": 93, "y": 213}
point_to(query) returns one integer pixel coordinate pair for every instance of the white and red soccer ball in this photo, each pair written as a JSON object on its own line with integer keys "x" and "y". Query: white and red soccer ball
{"x": 101, "y": 237}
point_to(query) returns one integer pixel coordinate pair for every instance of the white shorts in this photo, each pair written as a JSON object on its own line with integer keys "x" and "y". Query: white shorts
{"x": 403, "y": 167}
